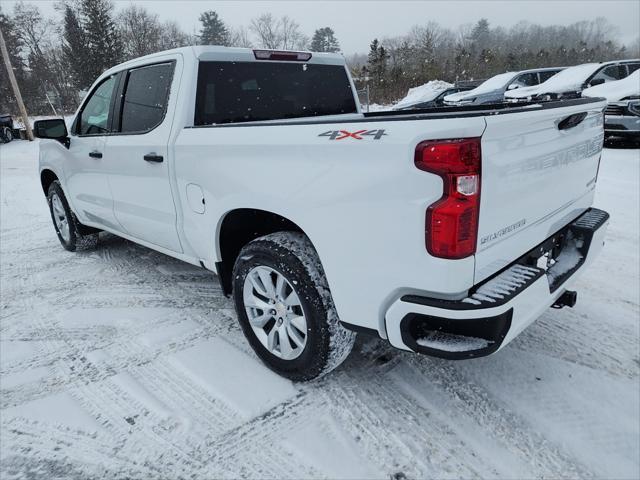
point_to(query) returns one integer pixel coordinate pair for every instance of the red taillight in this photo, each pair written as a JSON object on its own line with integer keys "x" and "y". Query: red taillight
{"x": 451, "y": 229}
{"x": 281, "y": 55}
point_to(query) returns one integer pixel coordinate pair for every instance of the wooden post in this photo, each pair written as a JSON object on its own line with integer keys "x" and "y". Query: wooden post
{"x": 16, "y": 89}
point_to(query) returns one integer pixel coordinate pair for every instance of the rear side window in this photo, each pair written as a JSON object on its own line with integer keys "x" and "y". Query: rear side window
{"x": 146, "y": 95}
{"x": 611, "y": 73}
{"x": 230, "y": 92}
{"x": 546, "y": 75}
{"x": 526, "y": 80}
{"x": 633, "y": 67}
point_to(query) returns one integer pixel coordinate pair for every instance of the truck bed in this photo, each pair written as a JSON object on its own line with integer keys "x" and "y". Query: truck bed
{"x": 355, "y": 173}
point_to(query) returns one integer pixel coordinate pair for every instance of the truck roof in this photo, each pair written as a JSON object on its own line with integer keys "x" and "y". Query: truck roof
{"x": 230, "y": 54}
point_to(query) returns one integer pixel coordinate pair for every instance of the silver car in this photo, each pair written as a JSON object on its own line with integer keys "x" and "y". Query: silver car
{"x": 492, "y": 90}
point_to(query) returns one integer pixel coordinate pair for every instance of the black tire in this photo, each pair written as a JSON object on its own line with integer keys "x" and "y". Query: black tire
{"x": 79, "y": 236}
{"x": 6, "y": 134}
{"x": 327, "y": 343}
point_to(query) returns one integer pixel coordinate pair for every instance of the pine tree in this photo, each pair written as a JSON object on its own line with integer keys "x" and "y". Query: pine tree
{"x": 214, "y": 31}
{"x": 103, "y": 42}
{"x": 74, "y": 50}
{"x": 377, "y": 61}
{"x": 481, "y": 34}
{"x": 324, "y": 40}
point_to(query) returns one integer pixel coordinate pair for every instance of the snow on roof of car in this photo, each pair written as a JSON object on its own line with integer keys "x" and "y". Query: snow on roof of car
{"x": 568, "y": 80}
{"x": 617, "y": 90}
{"x": 487, "y": 86}
{"x": 423, "y": 93}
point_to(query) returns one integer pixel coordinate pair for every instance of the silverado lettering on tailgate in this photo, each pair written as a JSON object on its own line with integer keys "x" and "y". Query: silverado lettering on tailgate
{"x": 502, "y": 232}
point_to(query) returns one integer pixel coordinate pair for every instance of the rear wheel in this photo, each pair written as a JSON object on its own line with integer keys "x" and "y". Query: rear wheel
{"x": 285, "y": 308}
{"x": 72, "y": 234}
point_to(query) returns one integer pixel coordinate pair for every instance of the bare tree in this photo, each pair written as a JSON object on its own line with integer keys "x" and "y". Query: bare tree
{"x": 291, "y": 36}
{"x": 140, "y": 31}
{"x": 45, "y": 87}
{"x": 283, "y": 33}
{"x": 32, "y": 29}
{"x": 266, "y": 28}
{"x": 240, "y": 37}
{"x": 172, "y": 36}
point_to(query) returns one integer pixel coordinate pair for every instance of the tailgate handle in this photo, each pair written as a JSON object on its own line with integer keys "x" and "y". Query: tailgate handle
{"x": 152, "y": 157}
{"x": 571, "y": 121}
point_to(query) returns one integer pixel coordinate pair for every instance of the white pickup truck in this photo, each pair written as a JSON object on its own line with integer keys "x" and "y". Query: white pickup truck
{"x": 444, "y": 231}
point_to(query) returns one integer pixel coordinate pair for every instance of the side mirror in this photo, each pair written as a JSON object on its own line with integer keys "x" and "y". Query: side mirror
{"x": 513, "y": 86}
{"x": 54, "y": 129}
{"x": 597, "y": 81}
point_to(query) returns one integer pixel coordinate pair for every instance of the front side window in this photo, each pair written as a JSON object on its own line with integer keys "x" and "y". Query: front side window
{"x": 230, "y": 92}
{"x": 94, "y": 117}
{"x": 146, "y": 96}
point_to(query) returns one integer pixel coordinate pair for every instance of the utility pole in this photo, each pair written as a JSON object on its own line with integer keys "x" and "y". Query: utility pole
{"x": 16, "y": 89}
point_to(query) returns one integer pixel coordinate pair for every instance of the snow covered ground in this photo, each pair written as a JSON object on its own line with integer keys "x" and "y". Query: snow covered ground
{"x": 122, "y": 362}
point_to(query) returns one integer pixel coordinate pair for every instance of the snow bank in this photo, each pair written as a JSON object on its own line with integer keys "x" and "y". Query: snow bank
{"x": 568, "y": 80}
{"x": 424, "y": 93}
{"x": 487, "y": 86}
{"x": 376, "y": 107}
{"x": 616, "y": 91}
{"x": 449, "y": 342}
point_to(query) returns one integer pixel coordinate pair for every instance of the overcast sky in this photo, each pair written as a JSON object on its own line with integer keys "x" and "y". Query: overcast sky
{"x": 356, "y": 23}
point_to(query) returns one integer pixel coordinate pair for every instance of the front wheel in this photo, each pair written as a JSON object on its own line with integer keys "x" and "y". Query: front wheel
{"x": 285, "y": 307}
{"x": 72, "y": 234}
{"x": 6, "y": 134}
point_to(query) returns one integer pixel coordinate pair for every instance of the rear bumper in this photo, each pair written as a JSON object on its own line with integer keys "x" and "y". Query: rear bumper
{"x": 498, "y": 309}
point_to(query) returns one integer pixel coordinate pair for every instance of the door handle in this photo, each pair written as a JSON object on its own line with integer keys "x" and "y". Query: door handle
{"x": 152, "y": 157}
{"x": 572, "y": 121}
{"x": 95, "y": 154}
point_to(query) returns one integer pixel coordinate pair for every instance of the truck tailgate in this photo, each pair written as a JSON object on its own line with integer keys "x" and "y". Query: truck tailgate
{"x": 539, "y": 173}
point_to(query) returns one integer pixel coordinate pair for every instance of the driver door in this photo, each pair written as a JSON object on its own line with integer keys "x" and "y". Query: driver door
{"x": 87, "y": 184}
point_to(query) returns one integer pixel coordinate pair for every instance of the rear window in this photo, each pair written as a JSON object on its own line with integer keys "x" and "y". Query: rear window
{"x": 230, "y": 92}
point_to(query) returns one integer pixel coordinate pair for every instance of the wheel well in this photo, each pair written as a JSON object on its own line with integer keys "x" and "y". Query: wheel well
{"x": 238, "y": 228}
{"x": 47, "y": 177}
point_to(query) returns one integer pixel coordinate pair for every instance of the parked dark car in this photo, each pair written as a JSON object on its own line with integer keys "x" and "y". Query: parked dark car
{"x": 6, "y": 128}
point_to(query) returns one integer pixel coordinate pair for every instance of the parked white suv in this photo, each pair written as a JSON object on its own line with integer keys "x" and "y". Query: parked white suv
{"x": 445, "y": 232}
{"x": 622, "y": 115}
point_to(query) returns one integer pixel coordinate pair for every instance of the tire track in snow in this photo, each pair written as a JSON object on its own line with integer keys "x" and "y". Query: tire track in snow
{"x": 473, "y": 401}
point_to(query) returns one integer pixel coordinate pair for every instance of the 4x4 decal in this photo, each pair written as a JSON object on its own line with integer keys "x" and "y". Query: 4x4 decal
{"x": 358, "y": 135}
